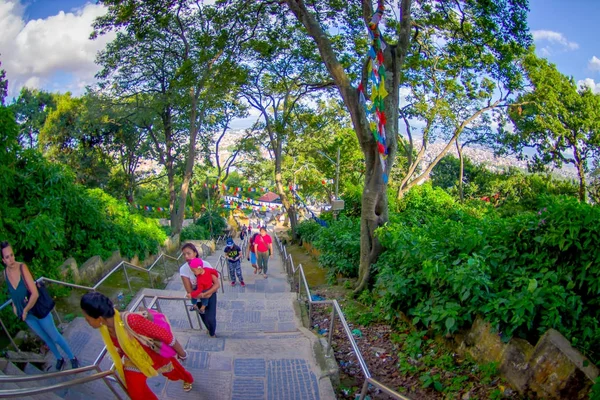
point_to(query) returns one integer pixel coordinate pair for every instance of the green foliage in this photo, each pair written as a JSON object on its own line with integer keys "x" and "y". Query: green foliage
{"x": 194, "y": 232}
{"x": 212, "y": 222}
{"x": 48, "y": 218}
{"x": 308, "y": 231}
{"x": 526, "y": 273}
{"x": 435, "y": 365}
{"x": 557, "y": 118}
{"x": 339, "y": 246}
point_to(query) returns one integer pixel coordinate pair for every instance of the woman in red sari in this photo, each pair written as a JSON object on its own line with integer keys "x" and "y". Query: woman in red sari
{"x": 125, "y": 341}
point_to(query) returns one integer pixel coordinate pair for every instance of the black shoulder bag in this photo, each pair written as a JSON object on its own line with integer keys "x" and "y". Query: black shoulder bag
{"x": 44, "y": 303}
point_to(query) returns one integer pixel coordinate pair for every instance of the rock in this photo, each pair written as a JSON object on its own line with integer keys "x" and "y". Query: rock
{"x": 114, "y": 259}
{"x": 171, "y": 245}
{"x": 92, "y": 270}
{"x": 483, "y": 343}
{"x": 558, "y": 371}
{"x": 514, "y": 366}
{"x": 68, "y": 271}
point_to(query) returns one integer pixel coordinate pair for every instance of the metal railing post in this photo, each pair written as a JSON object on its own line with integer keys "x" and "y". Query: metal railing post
{"x": 57, "y": 316}
{"x": 110, "y": 386}
{"x": 150, "y": 279}
{"x": 331, "y": 326}
{"x": 127, "y": 278}
{"x": 12, "y": 341}
{"x": 365, "y": 387}
{"x": 187, "y": 311}
{"x": 165, "y": 266}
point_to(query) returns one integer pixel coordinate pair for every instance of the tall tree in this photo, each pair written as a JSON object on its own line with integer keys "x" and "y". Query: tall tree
{"x": 3, "y": 86}
{"x": 31, "y": 109}
{"x": 182, "y": 53}
{"x": 556, "y": 118}
{"x": 499, "y": 21}
{"x": 76, "y": 135}
{"x": 283, "y": 73}
{"x": 461, "y": 72}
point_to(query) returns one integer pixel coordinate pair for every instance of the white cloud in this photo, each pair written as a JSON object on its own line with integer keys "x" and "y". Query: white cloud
{"x": 554, "y": 39}
{"x": 36, "y": 53}
{"x": 589, "y": 82}
{"x": 594, "y": 64}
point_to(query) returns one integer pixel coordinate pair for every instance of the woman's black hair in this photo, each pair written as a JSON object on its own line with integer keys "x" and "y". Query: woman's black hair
{"x": 191, "y": 247}
{"x": 3, "y": 245}
{"x": 96, "y": 305}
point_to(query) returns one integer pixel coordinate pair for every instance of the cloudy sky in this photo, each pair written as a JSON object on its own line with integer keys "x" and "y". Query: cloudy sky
{"x": 44, "y": 43}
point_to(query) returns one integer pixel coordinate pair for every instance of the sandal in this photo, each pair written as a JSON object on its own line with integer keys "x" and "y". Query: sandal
{"x": 187, "y": 386}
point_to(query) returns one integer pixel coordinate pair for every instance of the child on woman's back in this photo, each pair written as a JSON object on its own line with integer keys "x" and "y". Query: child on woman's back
{"x": 204, "y": 282}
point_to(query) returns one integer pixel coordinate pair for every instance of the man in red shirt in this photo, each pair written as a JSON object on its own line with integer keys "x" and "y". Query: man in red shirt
{"x": 263, "y": 247}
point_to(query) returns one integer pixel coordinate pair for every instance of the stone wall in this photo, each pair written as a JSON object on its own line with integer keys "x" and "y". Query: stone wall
{"x": 552, "y": 369}
{"x": 92, "y": 270}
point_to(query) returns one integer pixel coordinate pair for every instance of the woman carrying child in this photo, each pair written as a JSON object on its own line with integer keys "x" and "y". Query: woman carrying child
{"x": 190, "y": 283}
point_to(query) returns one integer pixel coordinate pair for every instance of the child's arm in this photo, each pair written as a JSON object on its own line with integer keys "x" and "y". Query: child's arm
{"x": 196, "y": 293}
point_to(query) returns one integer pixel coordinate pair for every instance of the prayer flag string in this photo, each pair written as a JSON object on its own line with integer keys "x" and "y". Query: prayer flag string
{"x": 375, "y": 108}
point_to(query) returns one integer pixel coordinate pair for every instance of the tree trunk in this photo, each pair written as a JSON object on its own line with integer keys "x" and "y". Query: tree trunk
{"x": 582, "y": 182}
{"x": 461, "y": 171}
{"x": 374, "y": 210}
{"x": 177, "y": 223}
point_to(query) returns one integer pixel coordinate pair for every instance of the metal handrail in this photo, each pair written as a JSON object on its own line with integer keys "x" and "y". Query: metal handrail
{"x": 104, "y": 375}
{"x": 336, "y": 309}
{"x": 32, "y": 391}
{"x": 49, "y": 375}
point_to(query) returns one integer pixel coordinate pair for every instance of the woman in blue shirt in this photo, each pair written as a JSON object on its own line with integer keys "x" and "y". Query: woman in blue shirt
{"x": 19, "y": 282}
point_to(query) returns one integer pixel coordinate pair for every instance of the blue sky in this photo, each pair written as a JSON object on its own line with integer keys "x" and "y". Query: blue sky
{"x": 43, "y": 43}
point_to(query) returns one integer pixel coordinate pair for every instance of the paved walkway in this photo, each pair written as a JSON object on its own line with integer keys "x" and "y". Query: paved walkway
{"x": 261, "y": 350}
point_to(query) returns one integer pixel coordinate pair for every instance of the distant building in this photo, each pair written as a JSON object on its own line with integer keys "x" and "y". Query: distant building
{"x": 270, "y": 197}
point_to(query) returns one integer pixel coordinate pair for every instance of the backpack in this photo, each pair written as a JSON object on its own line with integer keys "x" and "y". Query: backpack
{"x": 161, "y": 348}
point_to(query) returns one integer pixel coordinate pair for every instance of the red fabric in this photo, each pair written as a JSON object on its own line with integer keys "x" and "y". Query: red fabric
{"x": 204, "y": 281}
{"x": 263, "y": 243}
{"x": 147, "y": 328}
{"x": 137, "y": 385}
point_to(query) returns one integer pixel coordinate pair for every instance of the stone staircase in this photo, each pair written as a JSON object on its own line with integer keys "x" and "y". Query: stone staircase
{"x": 261, "y": 351}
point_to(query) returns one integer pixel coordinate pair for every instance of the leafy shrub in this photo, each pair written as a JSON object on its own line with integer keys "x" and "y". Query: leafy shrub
{"x": 308, "y": 230}
{"x": 194, "y": 232}
{"x": 447, "y": 263}
{"x": 339, "y": 245}
{"x": 212, "y": 222}
{"x": 48, "y": 218}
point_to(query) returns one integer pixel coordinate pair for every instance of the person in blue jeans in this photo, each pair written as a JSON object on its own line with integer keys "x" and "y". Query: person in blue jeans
{"x": 19, "y": 282}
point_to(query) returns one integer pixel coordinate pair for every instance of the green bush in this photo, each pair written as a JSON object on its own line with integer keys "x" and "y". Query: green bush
{"x": 308, "y": 231}
{"x": 48, "y": 218}
{"x": 194, "y": 232}
{"x": 339, "y": 246}
{"x": 447, "y": 263}
{"x": 212, "y": 222}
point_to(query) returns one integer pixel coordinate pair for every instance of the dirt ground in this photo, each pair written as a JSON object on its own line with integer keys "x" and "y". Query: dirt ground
{"x": 381, "y": 356}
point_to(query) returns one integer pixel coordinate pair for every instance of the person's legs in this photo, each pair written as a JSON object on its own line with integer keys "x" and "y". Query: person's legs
{"x": 254, "y": 262}
{"x": 47, "y": 324}
{"x": 209, "y": 318}
{"x": 179, "y": 372}
{"x": 137, "y": 386}
{"x": 231, "y": 271}
{"x": 34, "y": 324}
{"x": 238, "y": 270}
{"x": 263, "y": 258}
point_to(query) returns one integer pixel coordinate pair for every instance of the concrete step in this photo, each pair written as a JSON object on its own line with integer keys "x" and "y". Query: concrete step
{"x": 12, "y": 370}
